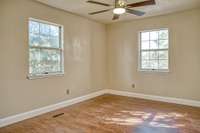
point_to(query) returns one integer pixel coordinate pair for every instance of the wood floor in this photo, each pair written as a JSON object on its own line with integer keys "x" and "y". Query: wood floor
{"x": 114, "y": 114}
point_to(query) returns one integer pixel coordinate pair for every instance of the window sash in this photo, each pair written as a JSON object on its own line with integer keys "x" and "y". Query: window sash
{"x": 40, "y": 48}
{"x": 140, "y": 68}
{"x": 51, "y": 49}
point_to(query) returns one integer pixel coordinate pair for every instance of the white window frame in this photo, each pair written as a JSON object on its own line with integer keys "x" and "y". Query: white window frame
{"x": 61, "y": 36}
{"x": 139, "y": 52}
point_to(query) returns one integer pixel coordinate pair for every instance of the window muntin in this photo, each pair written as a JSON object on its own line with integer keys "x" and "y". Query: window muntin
{"x": 154, "y": 50}
{"x": 45, "y": 48}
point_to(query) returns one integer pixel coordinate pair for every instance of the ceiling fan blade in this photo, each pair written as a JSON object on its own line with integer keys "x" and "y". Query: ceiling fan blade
{"x": 135, "y": 12}
{"x": 115, "y": 17}
{"x": 93, "y": 13}
{"x": 98, "y": 3}
{"x": 144, "y": 3}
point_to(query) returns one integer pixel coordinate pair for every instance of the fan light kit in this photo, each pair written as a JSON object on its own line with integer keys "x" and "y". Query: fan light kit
{"x": 121, "y": 6}
{"x": 119, "y": 11}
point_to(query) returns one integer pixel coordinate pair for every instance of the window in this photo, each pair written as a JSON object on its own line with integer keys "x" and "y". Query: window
{"x": 154, "y": 49}
{"x": 45, "y": 48}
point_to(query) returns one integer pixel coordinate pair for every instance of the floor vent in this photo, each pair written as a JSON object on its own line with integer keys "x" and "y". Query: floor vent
{"x": 57, "y": 115}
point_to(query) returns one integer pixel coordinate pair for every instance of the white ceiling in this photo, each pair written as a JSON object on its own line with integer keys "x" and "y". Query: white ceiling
{"x": 82, "y": 8}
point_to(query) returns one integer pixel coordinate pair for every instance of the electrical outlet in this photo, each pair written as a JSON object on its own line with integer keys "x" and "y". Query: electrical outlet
{"x": 133, "y": 85}
{"x": 67, "y": 91}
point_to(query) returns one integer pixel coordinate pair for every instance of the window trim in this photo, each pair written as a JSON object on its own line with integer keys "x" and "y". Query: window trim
{"x": 61, "y": 37}
{"x": 139, "y": 52}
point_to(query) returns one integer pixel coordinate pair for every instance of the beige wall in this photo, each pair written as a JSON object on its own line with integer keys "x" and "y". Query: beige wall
{"x": 85, "y": 51}
{"x": 184, "y": 77}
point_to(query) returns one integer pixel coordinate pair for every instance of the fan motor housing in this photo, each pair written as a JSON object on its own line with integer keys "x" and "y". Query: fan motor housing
{"x": 120, "y": 3}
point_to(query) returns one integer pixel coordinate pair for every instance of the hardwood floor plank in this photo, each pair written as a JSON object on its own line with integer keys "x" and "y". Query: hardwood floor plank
{"x": 114, "y": 114}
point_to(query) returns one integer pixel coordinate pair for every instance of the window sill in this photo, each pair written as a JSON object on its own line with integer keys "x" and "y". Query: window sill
{"x": 153, "y": 71}
{"x": 41, "y": 76}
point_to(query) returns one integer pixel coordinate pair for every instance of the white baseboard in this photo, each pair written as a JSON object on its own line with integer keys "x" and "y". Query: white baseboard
{"x": 20, "y": 117}
{"x": 156, "y": 98}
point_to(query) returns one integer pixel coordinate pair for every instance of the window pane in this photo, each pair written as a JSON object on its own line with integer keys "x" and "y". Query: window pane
{"x": 154, "y": 64}
{"x": 154, "y": 55}
{"x": 163, "y": 64}
{"x": 163, "y": 34}
{"x": 34, "y": 27}
{"x": 50, "y": 61}
{"x": 145, "y": 45}
{"x": 54, "y": 30}
{"x": 47, "y": 41}
{"x": 34, "y": 39}
{"x": 54, "y": 42}
{"x": 145, "y": 55}
{"x": 145, "y": 36}
{"x": 163, "y": 44}
{"x": 145, "y": 64}
{"x": 154, "y": 44}
{"x": 44, "y": 29}
{"x": 163, "y": 55}
{"x": 44, "y": 41}
{"x": 34, "y": 61}
{"x": 154, "y": 35}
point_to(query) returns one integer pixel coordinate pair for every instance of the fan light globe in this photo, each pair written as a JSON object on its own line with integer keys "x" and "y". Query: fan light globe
{"x": 119, "y": 11}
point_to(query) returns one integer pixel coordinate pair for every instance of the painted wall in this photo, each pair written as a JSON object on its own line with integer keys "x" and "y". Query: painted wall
{"x": 85, "y": 57}
{"x": 184, "y": 77}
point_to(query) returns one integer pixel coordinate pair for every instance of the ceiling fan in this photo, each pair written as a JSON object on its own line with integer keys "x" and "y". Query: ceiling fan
{"x": 121, "y": 7}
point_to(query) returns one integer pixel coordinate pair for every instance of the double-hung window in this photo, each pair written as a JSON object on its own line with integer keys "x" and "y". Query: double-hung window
{"x": 45, "y": 48}
{"x": 154, "y": 50}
